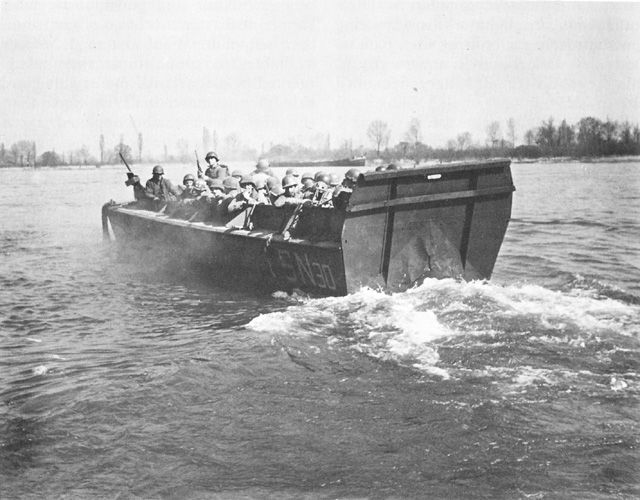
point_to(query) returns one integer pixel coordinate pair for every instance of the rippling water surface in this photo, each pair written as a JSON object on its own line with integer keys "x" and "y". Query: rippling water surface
{"x": 122, "y": 376}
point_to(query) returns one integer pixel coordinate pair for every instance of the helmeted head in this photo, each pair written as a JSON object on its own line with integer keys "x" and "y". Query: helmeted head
{"x": 289, "y": 181}
{"x": 262, "y": 165}
{"x": 293, "y": 172}
{"x": 308, "y": 184}
{"x": 334, "y": 180}
{"x": 319, "y": 174}
{"x": 237, "y": 174}
{"x": 211, "y": 155}
{"x": 200, "y": 185}
{"x": 217, "y": 186}
{"x": 158, "y": 170}
{"x": 189, "y": 178}
{"x": 276, "y": 190}
{"x": 247, "y": 181}
{"x": 323, "y": 181}
{"x": 271, "y": 182}
{"x": 352, "y": 174}
{"x": 306, "y": 175}
{"x": 230, "y": 184}
{"x": 260, "y": 184}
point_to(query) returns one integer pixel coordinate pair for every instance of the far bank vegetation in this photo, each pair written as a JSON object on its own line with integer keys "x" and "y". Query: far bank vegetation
{"x": 587, "y": 139}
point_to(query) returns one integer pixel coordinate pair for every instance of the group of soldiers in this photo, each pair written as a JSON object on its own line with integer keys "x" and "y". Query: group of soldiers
{"x": 229, "y": 193}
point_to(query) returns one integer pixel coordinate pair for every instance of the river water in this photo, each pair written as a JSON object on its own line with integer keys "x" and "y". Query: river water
{"x": 124, "y": 377}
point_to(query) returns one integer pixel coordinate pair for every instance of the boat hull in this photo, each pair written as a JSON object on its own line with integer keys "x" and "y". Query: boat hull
{"x": 399, "y": 228}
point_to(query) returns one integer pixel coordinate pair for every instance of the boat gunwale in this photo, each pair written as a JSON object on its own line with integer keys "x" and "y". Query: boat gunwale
{"x": 272, "y": 236}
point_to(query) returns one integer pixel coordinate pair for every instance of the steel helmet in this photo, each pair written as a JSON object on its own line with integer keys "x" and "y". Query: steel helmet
{"x": 308, "y": 183}
{"x": 325, "y": 178}
{"x": 289, "y": 181}
{"x": 292, "y": 171}
{"x": 260, "y": 184}
{"x": 200, "y": 185}
{"x": 216, "y": 184}
{"x": 158, "y": 170}
{"x": 230, "y": 183}
{"x": 271, "y": 182}
{"x": 211, "y": 154}
{"x": 335, "y": 180}
{"x": 262, "y": 165}
{"x": 247, "y": 179}
{"x": 277, "y": 190}
{"x": 237, "y": 174}
{"x": 188, "y": 177}
{"x": 306, "y": 175}
{"x": 319, "y": 174}
{"x": 352, "y": 174}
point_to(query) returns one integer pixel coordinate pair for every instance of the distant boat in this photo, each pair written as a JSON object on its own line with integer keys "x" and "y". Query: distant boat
{"x": 344, "y": 162}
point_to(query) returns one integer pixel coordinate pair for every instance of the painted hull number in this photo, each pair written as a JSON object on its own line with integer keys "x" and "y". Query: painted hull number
{"x": 299, "y": 269}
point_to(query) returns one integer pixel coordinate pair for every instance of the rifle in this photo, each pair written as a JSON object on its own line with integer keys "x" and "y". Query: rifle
{"x": 125, "y": 163}
{"x": 200, "y": 175}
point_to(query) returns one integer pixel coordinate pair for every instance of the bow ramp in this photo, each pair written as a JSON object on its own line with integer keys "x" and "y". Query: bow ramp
{"x": 439, "y": 221}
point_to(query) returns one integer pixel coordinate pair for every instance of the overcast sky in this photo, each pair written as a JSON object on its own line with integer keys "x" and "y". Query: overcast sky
{"x": 278, "y": 70}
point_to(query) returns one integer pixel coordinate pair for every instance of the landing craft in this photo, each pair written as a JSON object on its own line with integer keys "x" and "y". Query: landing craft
{"x": 399, "y": 227}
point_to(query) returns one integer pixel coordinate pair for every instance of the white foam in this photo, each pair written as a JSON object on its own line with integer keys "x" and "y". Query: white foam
{"x": 40, "y": 370}
{"x": 408, "y": 327}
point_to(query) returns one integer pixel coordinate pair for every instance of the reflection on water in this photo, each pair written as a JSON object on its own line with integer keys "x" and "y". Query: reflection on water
{"x": 123, "y": 375}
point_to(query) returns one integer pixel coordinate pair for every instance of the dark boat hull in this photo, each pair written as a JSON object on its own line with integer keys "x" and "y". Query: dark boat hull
{"x": 399, "y": 228}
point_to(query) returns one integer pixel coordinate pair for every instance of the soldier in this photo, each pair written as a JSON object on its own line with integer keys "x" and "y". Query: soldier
{"x": 294, "y": 173}
{"x": 246, "y": 197}
{"x": 342, "y": 193}
{"x": 158, "y": 188}
{"x": 323, "y": 195}
{"x": 262, "y": 193}
{"x": 231, "y": 186}
{"x": 188, "y": 188}
{"x": 291, "y": 192}
{"x": 138, "y": 191}
{"x": 215, "y": 170}
{"x": 262, "y": 171}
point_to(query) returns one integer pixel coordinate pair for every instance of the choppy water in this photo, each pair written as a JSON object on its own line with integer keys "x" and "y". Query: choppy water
{"x": 123, "y": 378}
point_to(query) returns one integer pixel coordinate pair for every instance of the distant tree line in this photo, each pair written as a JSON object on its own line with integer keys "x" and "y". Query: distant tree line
{"x": 590, "y": 137}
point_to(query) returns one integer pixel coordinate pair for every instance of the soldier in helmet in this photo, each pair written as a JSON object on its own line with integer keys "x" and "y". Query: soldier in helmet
{"x": 188, "y": 188}
{"x": 246, "y": 197}
{"x": 290, "y": 186}
{"x": 262, "y": 170}
{"x": 158, "y": 188}
{"x": 323, "y": 195}
{"x": 215, "y": 170}
{"x": 342, "y": 193}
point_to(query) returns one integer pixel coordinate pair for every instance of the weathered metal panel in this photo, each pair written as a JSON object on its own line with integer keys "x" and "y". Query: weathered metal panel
{"x": 440, "y": 221}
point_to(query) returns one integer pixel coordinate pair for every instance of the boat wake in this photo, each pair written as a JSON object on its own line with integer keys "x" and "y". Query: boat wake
{"x": 452, "y": 329}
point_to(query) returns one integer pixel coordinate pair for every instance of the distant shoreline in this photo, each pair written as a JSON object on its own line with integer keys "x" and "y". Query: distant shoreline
{"x": 514, "y": 161}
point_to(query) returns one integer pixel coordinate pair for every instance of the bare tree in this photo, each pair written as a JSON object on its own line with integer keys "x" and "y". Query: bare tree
{"x": 493, "y": 133}
{"x": 101, "y": 148}
{"x": 413, "y": 134}
{"x": 379, "y": 133}
{"x": 464, "y": 141}
{"x": 139, "y": 146}
{"x": 511, "y": 131}
{"x": 530, "y": 137}
{"x": 206, "y": 139}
